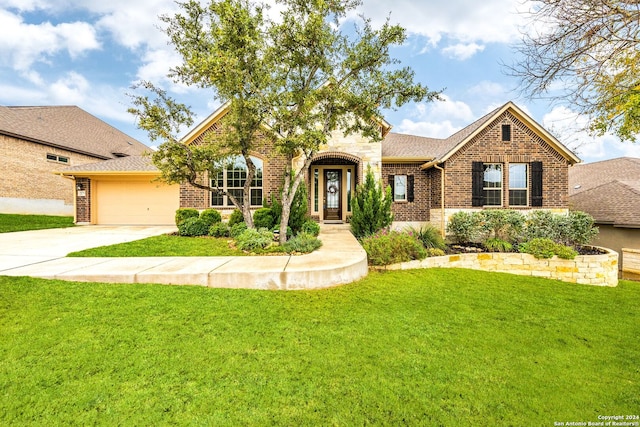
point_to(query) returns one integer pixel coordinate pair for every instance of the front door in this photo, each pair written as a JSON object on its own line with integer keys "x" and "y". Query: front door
{"x": 332, "y": 197}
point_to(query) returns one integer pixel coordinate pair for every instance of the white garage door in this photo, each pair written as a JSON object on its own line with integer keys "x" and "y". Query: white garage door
{"x": 136, "y": 203}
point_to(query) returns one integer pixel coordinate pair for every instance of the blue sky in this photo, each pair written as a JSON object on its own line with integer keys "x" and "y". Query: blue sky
{"x": 89, "y": 53}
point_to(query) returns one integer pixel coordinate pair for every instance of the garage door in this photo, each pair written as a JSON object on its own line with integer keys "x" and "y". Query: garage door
{"x": 136, "y": 203}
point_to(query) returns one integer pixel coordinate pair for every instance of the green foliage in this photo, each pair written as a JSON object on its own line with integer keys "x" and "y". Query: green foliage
{"x": 263, "y": 218}
{"x": 16, "y": 222}
{"x": 299, "y": 209}
{"x": 237, "y": 229}
{"x": 219, "y": 229}
{"x": 429, "y": 236}
{"x": 371, "y": 205}
{"x": 384, "y": 248}
{"x": 497, "y": 245}
{"x": 542, "y": 224}
{"x": 543, "y": 248}
{"x": 236, "y": 217}
{"x": 303, "y": 242}
{"x": 310, "y": 227}
{"x": 578, "y": 229}
{"x": 503, "y": 224}
{"x": 193, "y": 227}
{"x": 435, "y": 252}
{"x": 464, "y": 227}
{"x": 252, "y": 239}
{"x": 276, "y": 229}
{"x": 186, "y": 213}
{"x": 210, "y": 216}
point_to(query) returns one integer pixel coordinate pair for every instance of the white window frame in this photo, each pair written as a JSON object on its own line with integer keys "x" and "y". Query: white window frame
{"x": 225, "y": 202}
{"x": 499, "y": 168}
{"x": 518, "y": 188}
{"x": 400, "y": 181}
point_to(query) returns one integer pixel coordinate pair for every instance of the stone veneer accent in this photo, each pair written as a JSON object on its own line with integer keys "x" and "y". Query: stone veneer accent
{"x": 631, "y": 260}
{"x": 598, "y": 270}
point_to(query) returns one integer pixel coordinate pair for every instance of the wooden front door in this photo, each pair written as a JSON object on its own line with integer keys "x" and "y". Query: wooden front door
{"x": 332, "y": 195}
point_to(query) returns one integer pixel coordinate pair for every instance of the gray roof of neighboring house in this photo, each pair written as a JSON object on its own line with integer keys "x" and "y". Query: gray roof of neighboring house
{"x": 608, "y": 190}
{"x": 121, "y": 164}
{"x": 69, "y": 128}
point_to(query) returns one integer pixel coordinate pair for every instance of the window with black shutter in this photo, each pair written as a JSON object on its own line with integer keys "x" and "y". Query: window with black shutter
{"x": 477, "y": 178}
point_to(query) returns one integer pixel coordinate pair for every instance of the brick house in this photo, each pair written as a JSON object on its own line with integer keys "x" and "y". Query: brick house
{"x": 36, "y": 141}
{"x": 502, "y": 160}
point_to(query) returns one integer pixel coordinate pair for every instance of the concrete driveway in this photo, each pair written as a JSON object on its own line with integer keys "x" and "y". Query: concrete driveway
{"x": 29, "y": 247}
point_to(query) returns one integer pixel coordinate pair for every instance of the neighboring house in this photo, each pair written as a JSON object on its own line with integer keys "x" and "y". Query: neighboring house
{"x": 610, "y": 192}
{"x": 502, "y": 160}
{"x": 36, "y": 141}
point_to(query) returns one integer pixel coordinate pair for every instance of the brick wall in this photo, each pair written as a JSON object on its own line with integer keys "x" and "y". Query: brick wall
{"x": 83, "y": 203}
{"x": 31, "y": 174}
{"x": 418, "y": 210}
{"x": 525, "y": 147}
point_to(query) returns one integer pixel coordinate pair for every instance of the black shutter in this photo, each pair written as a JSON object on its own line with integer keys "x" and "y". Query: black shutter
{"x": 477, "y": 180}
{"x": 410, "y": 182}
{"x": 536, "y": 184}
{"x": 391, "y": 184}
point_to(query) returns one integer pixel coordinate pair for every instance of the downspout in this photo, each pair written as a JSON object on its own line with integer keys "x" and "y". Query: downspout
{"x": 442, "y": 233}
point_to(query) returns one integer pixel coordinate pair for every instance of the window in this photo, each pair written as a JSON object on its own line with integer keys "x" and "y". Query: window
{"x": 518, "y": 184}
{"x": 56, "y": 158}
{"x": 400, "y": 188}
{"x": 506, "y": 132}
{"x": 492, "y": 184}
{"x": 232, "y": 180}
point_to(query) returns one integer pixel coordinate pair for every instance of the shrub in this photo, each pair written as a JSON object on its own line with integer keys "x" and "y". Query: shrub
{"x": 542, "y": 224}
{"x": 252, "y": 239}
{"x": 263, "y": 218}
{"x": 310, "y": 227}
{"x": 393, "y": 247}
{"x": 435, "y": 252}
{"x": 210, "y": 216}
{"x": 237, "y": 229}
{"x": 501, "y": 224}
{"x": 547, "y": 248}
{"x": 429, "y": 236}
{"x": 303, "y": 243}
{"x": 371, "y": 207}
{"x": 193, "y": 227}
{"x": 236, "y": 217}
{"x": 219, "y": 229}
{"x": 464, "y": 227}
{"x": 578, "y": 229}
{"x": 186, "y": 213}
{"x": 299, "y": 209}
{"x": 497, "y": 245}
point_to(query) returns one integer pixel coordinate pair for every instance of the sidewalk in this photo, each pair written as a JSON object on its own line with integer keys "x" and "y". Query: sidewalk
{"x": 340, "y": 260}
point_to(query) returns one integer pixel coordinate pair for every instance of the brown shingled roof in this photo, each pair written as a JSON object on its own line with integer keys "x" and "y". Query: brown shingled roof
{"x": 122, "y": 164}
{"x": 608, "y": 190}
{"x": 70, "y": 128}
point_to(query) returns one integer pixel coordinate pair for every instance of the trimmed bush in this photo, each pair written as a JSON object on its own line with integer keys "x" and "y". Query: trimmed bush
{"x": 219, "y": 229}
{"x": 578, "y": 229}
{"x": 502, "y": 224}
{"x": 464, "y": 227}
{"x": 429, "y": 236}
{"x": 310, "y": 227}
{"x": 210, "y": 216}
{"x": 371, "y": 205}
{"x": 252, "y": 239}
{"x": 303, "y": 243}
{"x": 185, "y": 213}
{"x": 386, "y": 248}
{"x": 263, "y": 218}
{"x": 237, "y": 229}
{"x": 299, "y": 209}
{"x": 547, "y": 248}
{"x": 193, "y": 227}
{"x": 435, "y": 252}
{"x": 565, "y": 252}
{"x": 542, "y": 224}
{"x": 498, "y": 245}
{"x": 236, "y": 217}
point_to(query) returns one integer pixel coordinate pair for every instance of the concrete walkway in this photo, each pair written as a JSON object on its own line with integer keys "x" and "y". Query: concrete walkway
{"x": 42, "y": 253}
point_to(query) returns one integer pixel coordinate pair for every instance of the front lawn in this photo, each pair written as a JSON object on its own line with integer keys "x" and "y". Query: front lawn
{"x": 422, "y": 347}
{"x": 14, "y": 222}
{"x": 164, "y": 245}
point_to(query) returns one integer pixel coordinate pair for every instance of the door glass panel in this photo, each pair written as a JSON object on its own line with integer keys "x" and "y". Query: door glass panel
{"x": 333, "y": 190}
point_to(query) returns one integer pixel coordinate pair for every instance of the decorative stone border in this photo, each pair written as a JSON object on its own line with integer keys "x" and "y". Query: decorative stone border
{"x": 631, "y": 260}
{"x": 598, "y": 270}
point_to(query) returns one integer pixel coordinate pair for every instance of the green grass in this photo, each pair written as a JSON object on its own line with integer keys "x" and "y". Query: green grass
{"x": 13, "y": 222}
{"x": 164, "y": 245}
{"x": 431, "y": 347}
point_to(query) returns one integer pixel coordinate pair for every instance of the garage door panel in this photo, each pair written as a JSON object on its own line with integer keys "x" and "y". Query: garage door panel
{"x": 136, "y": 202}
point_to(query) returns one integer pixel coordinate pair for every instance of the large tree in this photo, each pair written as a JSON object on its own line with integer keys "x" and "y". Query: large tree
{"x": 303, "y": 78}
{"x": 585, "y": 53}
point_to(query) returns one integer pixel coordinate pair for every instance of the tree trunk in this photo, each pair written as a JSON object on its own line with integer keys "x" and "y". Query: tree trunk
{"x": 246, "y": 191}
{"x": 288, "y": 193}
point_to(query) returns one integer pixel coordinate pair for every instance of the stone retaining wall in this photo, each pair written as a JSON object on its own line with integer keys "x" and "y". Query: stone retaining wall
{"x": 631, "y": 260}
{"x": 598, "y": 270}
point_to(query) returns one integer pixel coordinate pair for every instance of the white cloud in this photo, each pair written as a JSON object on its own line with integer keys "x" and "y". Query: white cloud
{"x": 23, "y": 44}
{"x": 73, "y": 89}
{"x": 439, "y": 119}
{"x": 462, "y": 51}
{"x": 441, "y": 129}
{"x": 488, "y": 89}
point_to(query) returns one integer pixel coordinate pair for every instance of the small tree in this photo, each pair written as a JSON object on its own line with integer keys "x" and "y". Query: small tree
{"x": 371, "y": 205}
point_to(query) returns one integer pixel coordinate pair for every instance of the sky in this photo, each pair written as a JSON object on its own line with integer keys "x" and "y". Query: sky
{"x": 89, "y": 53}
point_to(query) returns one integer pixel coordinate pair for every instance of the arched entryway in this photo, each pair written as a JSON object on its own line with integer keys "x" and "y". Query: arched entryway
{"x": 333, "y": 177}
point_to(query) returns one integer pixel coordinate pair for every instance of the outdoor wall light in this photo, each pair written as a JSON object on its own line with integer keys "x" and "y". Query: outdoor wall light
{"x": 79, "y": 186}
